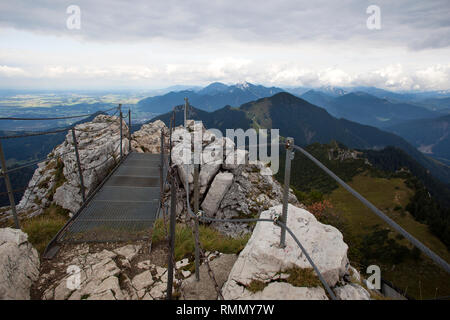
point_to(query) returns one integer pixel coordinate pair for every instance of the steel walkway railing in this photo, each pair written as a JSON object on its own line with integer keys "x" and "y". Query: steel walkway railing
{"x": 200, "y": 217}
{"x": 419, "y": 245}
{"x": 5, "y": 171}
{"x": 282, "y": 221}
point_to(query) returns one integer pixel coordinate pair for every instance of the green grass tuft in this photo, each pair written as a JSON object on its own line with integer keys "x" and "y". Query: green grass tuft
{"x": 43, "y": 228}
{"x": 256, "y": 285}
{"x": 210, "y": 239}
{"x": 302, "y": 277}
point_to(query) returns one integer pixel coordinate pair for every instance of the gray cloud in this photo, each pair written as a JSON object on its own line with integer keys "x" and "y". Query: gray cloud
{"x": 414, "y": 24}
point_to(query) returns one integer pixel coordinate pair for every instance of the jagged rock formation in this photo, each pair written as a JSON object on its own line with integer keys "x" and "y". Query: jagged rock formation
{"x": 230, "y": 186}
{"x": 19, "y": 265}
{"x": 148, "y": 137}
{"x": 56, "y": 180}
{"x": 263, "y": 260}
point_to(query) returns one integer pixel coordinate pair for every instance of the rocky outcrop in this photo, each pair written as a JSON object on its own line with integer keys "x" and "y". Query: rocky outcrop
{"x": 230, "y": 186}
{"x": 19, "y": 265}
{"x": 56, "y": 180}
{"x": 148, "y": 137}
{"x": 263, "y": 260}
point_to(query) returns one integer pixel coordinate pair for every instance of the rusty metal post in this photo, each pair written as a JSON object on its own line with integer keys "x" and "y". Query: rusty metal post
{"x": 196, "y": 232}
{"x": 121, "y": 118}
{"x": 172, "y": 127}
{"x": 80, "y": 171}
{"x": 161, "y": 169}
{"x": 171, "y": 258}
{"x": 186, "y": 105}
{"x": 9, "y": 187}
{"x": 287, "y": 178}
{"x": 129, "y": 130}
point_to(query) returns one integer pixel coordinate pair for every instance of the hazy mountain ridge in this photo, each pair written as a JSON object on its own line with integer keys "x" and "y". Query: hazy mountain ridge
{"x": 210, "y": 98}
{"x": 307, "y": 123}
{"x": 368, "y": 109}
{"x": 431, "y": 136}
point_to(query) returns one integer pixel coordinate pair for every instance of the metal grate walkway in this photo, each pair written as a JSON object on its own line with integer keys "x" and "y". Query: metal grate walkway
{"x": 124, "y": 208}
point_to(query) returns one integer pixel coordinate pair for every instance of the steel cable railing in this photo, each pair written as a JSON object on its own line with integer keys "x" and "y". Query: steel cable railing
{"x": 56, "y": 118}
{"x": 427, "y": 251}
{"x": 275, "y": 221}
{"x": 199, "y": 216}
{"x": 41, "y": 133}
{"x": 281, "y": 222}
{"x": 5, "y": 171}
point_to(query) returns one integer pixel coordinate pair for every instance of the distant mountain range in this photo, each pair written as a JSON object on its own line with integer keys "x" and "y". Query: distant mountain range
{"x": 367, "y": 105}
{"x": 431, "y": 136}
{"x": 210, "y": 98}
{"x": 307, "y": 123}
{"x": 368, "y": 109}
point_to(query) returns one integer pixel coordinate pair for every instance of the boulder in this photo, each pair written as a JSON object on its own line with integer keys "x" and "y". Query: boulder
{"x": 352, "y": 291}
{"x": 218, "y": 188}
{"x": 181, "y": 157}
{"x": 284, "y": 291}
{"x": 262, "y": 258}
{"x": 19, "y": 265}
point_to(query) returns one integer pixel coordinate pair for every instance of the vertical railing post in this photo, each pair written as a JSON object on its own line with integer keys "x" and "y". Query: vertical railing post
{"x": 186, "y": 105}
{"x": 172, "y": 126}
{"x": 196, "y": 232}
{"x": 129, "y": 129}
{"x": 161, "y": 168}
{"x": 173, "y": 203}
{"x": 80, "y": 171}
{"x": 287, "y": 178}
{"x": 9, "y": 187}
{"x": 121, "y": 117}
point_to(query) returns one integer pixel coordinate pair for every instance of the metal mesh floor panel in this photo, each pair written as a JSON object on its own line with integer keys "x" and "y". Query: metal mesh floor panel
{"x": 144, "y": 156}
{"x": 142, "y": 163}
{"x": 129, "y": 193}
{"x": 124, "y": 208}
{"x": 130, "y": 181}
{"x": 119, "y": 211}
{"x": 137, "y": 171}
{"x": 107, "y": 231}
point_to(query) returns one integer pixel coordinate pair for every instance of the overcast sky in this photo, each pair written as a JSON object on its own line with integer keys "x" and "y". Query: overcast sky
{"x": 148, "y": 44}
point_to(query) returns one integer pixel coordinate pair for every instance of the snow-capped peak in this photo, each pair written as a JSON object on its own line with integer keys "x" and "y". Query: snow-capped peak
{"x": 243, "y": 85}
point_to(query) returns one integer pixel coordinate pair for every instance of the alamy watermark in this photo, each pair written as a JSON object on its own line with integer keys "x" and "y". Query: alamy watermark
{"x": 374, "y": 281}
{"x": 73, "y": 22}
{"x": 374, "y": 20}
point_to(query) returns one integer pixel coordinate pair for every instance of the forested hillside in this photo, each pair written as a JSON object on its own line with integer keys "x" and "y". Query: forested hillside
{"x": 391, "y": 186}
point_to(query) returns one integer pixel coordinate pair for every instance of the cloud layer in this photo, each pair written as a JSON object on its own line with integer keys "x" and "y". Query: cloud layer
{"x": 283, "y": 42}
